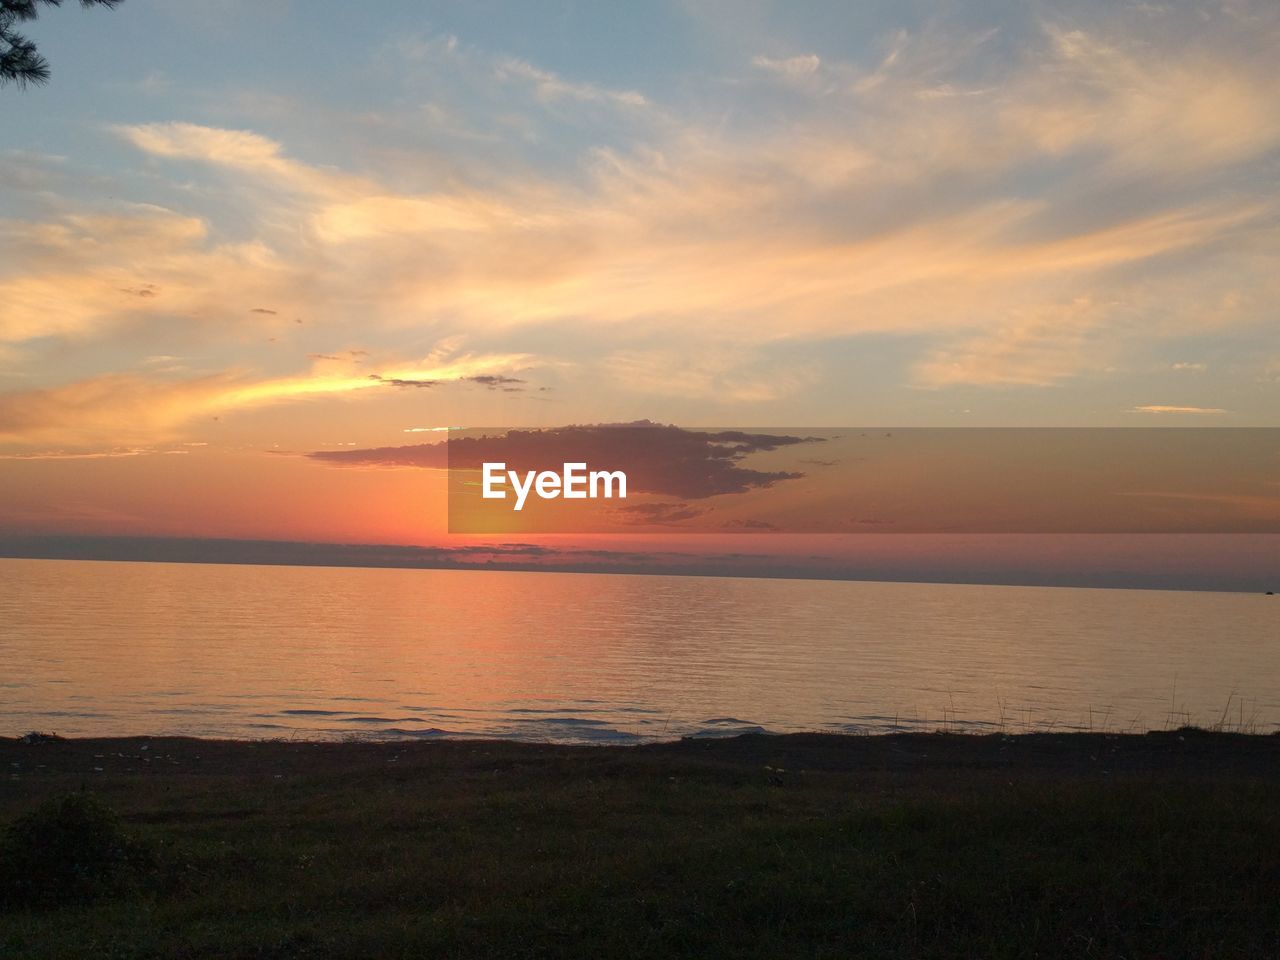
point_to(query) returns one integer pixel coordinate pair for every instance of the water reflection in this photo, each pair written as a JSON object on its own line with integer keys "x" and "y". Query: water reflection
{"x": 237, "y": 651}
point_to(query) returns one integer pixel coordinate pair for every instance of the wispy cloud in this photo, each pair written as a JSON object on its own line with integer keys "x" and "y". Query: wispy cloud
{"x": 1163, "y": 409}
{"x": 802, "y": 65}
{"x": 119, "y": 408}
{"x": 114, "y": 454}
{"x": 550, "y": 86}
{"x": 241, "y": 150}
{"x": 1020, "y": 211}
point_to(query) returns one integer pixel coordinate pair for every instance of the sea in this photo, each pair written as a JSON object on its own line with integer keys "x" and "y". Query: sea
{"x": 94, "y": 648}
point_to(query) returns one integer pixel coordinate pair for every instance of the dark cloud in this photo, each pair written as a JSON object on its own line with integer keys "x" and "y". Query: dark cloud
{"x": 395, "y": 382}
{"x": 262, "y": 310}
{"x": 490, "y": 381}
{"x": 657, "y": 459}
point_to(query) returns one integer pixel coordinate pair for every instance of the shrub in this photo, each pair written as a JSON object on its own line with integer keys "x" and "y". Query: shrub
{"x": 69, "y": 849}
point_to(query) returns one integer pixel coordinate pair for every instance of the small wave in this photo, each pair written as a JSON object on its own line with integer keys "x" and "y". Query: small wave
{"x": 383, "y": 720}
{"x": 724, "y": 731}
{"x": 401, "y": 733}
{"x": 544, "y": 710}
{"x": 314, "y": 713}
{"x": 562, "y": 730}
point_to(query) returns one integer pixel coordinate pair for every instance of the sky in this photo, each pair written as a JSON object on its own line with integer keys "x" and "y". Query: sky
{"x": 237, "y": 234}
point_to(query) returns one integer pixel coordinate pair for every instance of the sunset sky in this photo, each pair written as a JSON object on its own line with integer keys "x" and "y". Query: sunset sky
{"x": 234, "y": 234}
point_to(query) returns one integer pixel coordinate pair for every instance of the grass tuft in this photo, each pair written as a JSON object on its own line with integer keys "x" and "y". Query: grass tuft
{"x": 70, "y": 849}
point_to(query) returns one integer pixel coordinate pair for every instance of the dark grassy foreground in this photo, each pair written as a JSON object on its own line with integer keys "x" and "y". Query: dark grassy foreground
{"x": 1073, "y": 845}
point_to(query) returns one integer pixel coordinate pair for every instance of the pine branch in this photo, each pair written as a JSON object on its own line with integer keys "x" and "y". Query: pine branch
{"x": 20, "y": 62}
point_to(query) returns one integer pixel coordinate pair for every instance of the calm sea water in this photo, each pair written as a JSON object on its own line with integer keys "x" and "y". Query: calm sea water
{"x": 239, "y": 651}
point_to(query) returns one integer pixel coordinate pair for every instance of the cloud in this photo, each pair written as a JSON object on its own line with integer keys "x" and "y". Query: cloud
{"x": 491, "y": 381}
{"x": 798, "y": 66}
{"x": 241, "y": 150}
{"x": 396, "y": 382}
{"x": 1021, "y": 218}
{"x": 1109, "y": 92}
{"x": 91, "y": 274}
{"x": 109, "y": 410}
{"x": 657, "y": 459}
{"x": 1161, "y": 409}
{"x": 1037, "y": 350}
{"x": 90, "y": 455}
{"x": 726, "y": 372}
{"x": 733, "y": 234}
{"x": 116, "y": 409}
{"x": 550, "y": 86}
{"x": 366, "y": 218}
{"x": 1149, "y": 111}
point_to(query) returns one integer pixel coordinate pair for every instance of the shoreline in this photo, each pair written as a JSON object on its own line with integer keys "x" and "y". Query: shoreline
{"x": 1182, "y": 750}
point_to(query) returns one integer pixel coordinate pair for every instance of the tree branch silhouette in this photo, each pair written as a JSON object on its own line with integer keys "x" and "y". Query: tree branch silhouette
{"x": 20, "y": 61}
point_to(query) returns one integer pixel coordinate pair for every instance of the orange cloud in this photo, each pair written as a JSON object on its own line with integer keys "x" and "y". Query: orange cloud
{"x": 122, "y": 409}
{"x": 882, "y": 200}
{"x": 1197, "y": 411}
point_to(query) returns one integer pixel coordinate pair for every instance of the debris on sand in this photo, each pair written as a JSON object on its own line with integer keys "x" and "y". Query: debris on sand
{"x": 35, "y": 736}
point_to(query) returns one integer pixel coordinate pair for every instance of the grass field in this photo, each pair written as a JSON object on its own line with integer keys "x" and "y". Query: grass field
{"x": 1042, "y": 845}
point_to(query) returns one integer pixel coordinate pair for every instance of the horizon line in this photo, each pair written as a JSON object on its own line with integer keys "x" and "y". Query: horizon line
{"x": 518, "y": 557}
